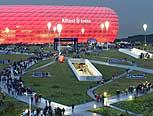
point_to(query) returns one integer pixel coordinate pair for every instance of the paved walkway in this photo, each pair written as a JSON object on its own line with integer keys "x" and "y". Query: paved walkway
{"x": 124, "y": 66}
{"x": 45, "y": 65}
{"x": 90, "y": 92}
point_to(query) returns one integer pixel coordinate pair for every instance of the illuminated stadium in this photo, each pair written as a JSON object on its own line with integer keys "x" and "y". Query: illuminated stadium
{"x": 32, "y": 24}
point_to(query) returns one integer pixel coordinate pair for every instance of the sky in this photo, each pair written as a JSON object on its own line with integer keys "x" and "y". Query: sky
{"x": 132, "y": 13}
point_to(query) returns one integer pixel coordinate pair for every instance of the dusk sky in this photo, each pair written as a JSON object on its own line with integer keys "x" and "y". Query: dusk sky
{"x": 132, "y": 13}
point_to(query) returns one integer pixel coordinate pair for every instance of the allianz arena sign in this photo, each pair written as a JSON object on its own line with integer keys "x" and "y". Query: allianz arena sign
{"x": 76, "y": 21}
{"x": 33, "y": 24}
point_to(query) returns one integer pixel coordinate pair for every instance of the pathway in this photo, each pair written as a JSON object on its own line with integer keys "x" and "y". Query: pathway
{"x": 90, "y": 92}
{"x": 45, "y": 65}
{"x": 124, "y": 66}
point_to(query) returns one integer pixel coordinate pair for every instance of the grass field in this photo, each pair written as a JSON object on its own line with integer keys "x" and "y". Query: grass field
{"x": 108, "y": 71}
{"x": 110, "y": 54}
{"x": 62, "y": 86}
{"x": 105, "y": 55}
{"x": 121, "y": 84}
{"x": 12, "y": 107}
{"x": 40, "y": 63}
{"x": 142, "y": 105}
{"x": 2, "y": 66}
{"x": 107, "y": 111}
{"x": 12, "y": 58}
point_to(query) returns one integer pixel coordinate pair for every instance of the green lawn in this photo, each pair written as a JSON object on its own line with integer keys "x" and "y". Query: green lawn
{"x": 148, "y": 47}
{"x": 110, "y": 54}
{"x": 105, "y": 55}
{"x": 13, "y": 57}
{"x": 107, "y": 111}
{"x": 142, "y": 105}
{"x": 40, "y": 63}
{"x": 62, "y": 86}
{"x": 121, "y": 84}
{"x": 12, "y": 107}
{"x": 39, "y": 48}
{"x": 108, "y": 71}
{"x": 2, "y": 66}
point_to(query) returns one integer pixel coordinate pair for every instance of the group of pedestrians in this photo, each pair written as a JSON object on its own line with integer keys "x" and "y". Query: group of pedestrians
{"x": 141, "y": 88}
{"x": 10, "y": 77}
{"x": 46, "y": 111}
{"x": 11, "y": 80}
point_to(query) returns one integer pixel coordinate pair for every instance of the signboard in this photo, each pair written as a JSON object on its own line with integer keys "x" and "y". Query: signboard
{"x": 40, "y": 74}
{"x": 136, "y": 75}
{"x": 117, "y": 60}
{"x": 4, "y": 61}
{"x": 76, "y": 21}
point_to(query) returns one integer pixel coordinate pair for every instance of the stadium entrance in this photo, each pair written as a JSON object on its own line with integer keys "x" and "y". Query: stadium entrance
{"x": 66, "y": 41}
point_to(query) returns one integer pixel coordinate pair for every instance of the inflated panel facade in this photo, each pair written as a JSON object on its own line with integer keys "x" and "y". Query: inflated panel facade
{"x": 38, "y": 24}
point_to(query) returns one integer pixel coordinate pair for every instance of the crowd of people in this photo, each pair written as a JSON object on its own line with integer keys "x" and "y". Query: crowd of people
{"x": 11, "y": 80}
{"x": 47, "y": 111}
{"x": 10, "y": 77}
{"x": 141, "y": 88}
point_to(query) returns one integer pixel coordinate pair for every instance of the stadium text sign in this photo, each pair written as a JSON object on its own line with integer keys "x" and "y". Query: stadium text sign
{"x": 76, "y": 21}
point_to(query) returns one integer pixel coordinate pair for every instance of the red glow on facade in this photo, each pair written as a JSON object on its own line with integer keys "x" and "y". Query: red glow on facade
{"x": 28, "y": 24}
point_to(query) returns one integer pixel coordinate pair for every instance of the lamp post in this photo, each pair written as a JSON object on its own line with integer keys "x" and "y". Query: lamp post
{"x": 7, "y": 31}
{"x": 105, "y": 99}
{"x": 30, "y": 104}
{"x": 107, "y": 27}
{"x": 59, "y": 28}
{"x": 102, "y": 26}
{"x": 49, "y": 25}
{"x": 82, "y": 31}
{"x": 54, "y": 29}
{"x": 145, "y": 29}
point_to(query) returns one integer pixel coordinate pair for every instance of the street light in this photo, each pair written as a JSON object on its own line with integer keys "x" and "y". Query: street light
{"x": 7, "y": 30}
{"x": 105, "y": 99}
{"x": 30, "y": 104}
{"x": 82, "y": 30}
{"x": 145, "y": 29}
{"x": 94, "y": 106}
{"x": 105, "y": 94}
{"x": 54, "y": 29}
{"x": 107, "y": 24}
{"x": 130, "y": 97}
{"x": 59, "y": 28}
{"x": 49, "y": 25}
{"x": 102, "y": 26}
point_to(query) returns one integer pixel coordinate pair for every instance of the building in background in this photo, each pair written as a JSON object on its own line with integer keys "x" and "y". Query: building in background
{"x": 29, "y": 23}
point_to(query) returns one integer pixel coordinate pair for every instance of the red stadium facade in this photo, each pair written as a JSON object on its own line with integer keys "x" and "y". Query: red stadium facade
{"x": 28, "y": 24}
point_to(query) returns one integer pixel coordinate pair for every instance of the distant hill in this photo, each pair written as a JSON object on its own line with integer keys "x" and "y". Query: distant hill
{"x": 140, "y": 38}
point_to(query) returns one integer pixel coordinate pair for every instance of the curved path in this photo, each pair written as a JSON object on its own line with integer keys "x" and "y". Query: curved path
{"x": 43, "y": 66}
{"x": 90, "y": 92}
{"x": 124, "y": 66}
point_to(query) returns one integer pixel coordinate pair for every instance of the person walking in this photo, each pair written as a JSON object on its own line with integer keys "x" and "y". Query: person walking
{"x": 72, "y": 108}
{"x": 63, "y": 111}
